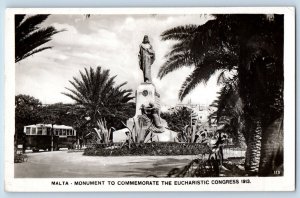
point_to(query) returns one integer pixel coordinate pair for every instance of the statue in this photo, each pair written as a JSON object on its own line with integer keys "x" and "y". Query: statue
{"x": 153, "y": 114}
{"x": 147, "y": 125}
{"x": 149, "y": 121}
{"x": 146, "y": 59}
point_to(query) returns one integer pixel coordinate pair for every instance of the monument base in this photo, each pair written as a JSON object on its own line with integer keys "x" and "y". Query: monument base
{"x": 145, "y": 134}
{"x": 148, "y": 126}
{"x": 145, "y": 94}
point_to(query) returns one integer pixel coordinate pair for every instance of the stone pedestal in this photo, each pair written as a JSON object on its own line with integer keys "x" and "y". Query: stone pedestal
{"x": 145, "y": 94}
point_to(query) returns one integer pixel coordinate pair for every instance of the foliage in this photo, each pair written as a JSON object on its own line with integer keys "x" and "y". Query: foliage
{"x": 229, "y": 111}
{"x": 101, "y": 134}
{"x": 30, "y": 37}
{"x": 149, "y": 149}
{"x": 252, "y": 45}
{"x": 58, "y": 113}
{"x": 197, "y": 168}
{"x": 97, "y": 93}
{"x": 20, "y": 158}
{"x": 177, "y": 119}
{"x": 27, "y": 110}
{"x": 201, "y": 47}
{"x": 209, "y": 168}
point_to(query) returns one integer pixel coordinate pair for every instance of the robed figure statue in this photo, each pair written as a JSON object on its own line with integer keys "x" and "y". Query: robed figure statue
{"x": 146, "y": 59}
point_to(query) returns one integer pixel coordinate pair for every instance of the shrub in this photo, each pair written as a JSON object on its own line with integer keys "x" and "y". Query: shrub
{"x": 148, "y": 149}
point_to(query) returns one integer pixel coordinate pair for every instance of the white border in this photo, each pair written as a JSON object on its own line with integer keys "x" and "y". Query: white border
{"x": 285, "y": 183}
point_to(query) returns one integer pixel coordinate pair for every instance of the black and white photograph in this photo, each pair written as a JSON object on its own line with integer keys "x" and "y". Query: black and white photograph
{"x": 158, "y": 99}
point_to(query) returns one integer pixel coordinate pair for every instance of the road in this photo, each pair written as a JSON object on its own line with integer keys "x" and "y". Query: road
{"x": 64, "y": 164}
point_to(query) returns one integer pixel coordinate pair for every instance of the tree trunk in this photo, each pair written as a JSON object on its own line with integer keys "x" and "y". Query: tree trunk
{"x": 241, "y": 140}
{"x": 271, "y": 163}
{"x": 253, "y": 152}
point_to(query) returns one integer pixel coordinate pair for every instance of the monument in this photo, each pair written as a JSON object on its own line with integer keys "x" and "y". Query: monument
{"x": 146, "y": 91}
{"x": 147, "y": 125}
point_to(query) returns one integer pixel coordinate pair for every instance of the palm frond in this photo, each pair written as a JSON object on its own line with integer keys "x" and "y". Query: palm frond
{"x": 173, "y": 63}
{"x": 201, "y": 74}
{"x": 179, "y": 48}
{"x": 32, "y": 53}
{"x": 179, "y": 33}
{"x": 30, "y": 36}
{"x": 18, "y": 19}
{"x": 99, "y": 95}
{"x": 30, "y": 24}
{"x": 27, "y": 45}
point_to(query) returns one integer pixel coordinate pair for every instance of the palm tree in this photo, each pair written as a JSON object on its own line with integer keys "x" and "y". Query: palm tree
{"x": 101, "y": 98}
{"x": 250, "y": 44}
{"x": 208, "y": 48}
{"x": 30, "y": 36}
{"x": 230, "y": 109}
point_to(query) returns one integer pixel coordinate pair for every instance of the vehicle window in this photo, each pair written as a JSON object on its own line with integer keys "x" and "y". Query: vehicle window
{"x": 33, "y": 131}
{"x": 64, "y": 132}
{"x": 27, "y": 130}
{"x": 40, "y": 131}
{"x": 48, "y": 131}
{"x": 60, "y": 132}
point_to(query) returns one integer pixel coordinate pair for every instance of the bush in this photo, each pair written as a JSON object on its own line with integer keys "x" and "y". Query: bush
{"x": 148, "y": 149}
{"x": 19, "y": 158}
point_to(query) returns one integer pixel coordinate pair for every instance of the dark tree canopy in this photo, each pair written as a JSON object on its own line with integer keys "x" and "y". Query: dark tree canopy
{"x": 252, "y": 46}
{"x": 27, "y": 110}
{"x": 178, "y": 118}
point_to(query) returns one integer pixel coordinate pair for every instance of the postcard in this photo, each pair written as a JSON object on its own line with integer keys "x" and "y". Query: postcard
{"x": 150, "y": 99}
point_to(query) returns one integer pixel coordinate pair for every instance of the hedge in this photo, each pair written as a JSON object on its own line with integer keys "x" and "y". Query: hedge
{"x": 148, "y": 149}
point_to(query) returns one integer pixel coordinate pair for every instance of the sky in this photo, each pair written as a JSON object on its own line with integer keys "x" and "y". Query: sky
{"x": 112, "y": 42}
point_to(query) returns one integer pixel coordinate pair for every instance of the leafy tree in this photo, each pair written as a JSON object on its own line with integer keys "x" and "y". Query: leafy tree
{"x": 29, "y": 110}
{"x": 98, "y": 95}
{"x": 253, "y": 46}
{"x": 65, "y": 114}
{"x": 178, "y": 119}
{"x": 58, "y": 113}
{"x": 26, "y": 113}
{"x": 30, "y": 36}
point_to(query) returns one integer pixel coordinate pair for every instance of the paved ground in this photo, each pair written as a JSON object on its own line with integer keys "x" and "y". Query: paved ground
{"x": 61, "y": 164}
{"x": 64, "y": 164}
